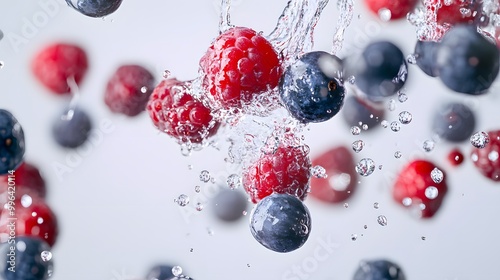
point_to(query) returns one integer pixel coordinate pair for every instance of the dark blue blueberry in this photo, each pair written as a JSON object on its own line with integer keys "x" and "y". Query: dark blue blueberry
{"x": 311, "y": 88}
{"x": 281, "y": 222}
{"x": 467, "y": 61}
{"x": 358, "y": 110}
{"x": 72, "y": 128}
{"x": 160, "y": 272}
{"x": 425, "y": 55}
{"x": 379, "y": 270}
{"x": 454, "y": 122}
{"x": 380, "y": 70}
{"x": 11, "y": 142}
{"x": 28, "y": 263}
{"x": 95, "y": 8}
{"x": 228, "y": 205}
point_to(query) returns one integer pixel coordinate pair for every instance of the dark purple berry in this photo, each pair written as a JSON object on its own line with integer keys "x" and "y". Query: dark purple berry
{"x": 72, "y": 128}
{"x": 95, "y": 8}
{"x": 11, "y": 142}
{"x": 454, "y": 122}
{"x": 379, "y": 270}
{"x": 425, "y": 56}
{"x": 358, "y": 111}
{"x": 228, "y": 205}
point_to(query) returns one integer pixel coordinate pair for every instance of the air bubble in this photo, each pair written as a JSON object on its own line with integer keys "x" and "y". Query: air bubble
{"x": 177, "y": 271}
{"x": 431, "y": 192}
{"x": 365, "y": 167}
{"x": 205, "y": 176}
{"x": 346, "y": 205}
{"x": 197, "y": 189}
{"x": 46, "y": 256}
{"x": 402, "y": 97}
{"x": 405, "y": 117}
{"x": 1, "y": 64}
{"x": 351, "y": 80}
{"x": 26, "y": 200}
{"x": 182, "y": 200}
{"x": 480, "y": 139}
{"x": 199, "y": 206}
{"x": 354, "y": 237}
{"x": 364, "y": 126}
{"x": 412, "y": 59}
{"x": 395, "y": 126}
{"x": 382, "y": 220}
{"x": 384, "y": 124}
{"x": 428, "y": 145}
{"x": 397, "y": 154}
{"x": 358, "y": 145}
{"x": 376, "y": 205}
{"x": 437, "y": 175}
{"x": 392, "y": 105}
{"x": 493, "y": 156}
{"x": 355, "y": 130}
{"x": 166, "y": 74}
{"x": 144, "y": 89}
{"x": 318, "y": 171}
{"x": 407, "y": 201}
{"x": 385, "y": 14}
{"x": 234, "y": 181}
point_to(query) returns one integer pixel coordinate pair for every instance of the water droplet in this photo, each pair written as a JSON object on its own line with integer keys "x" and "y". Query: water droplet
{"x": 39, "y": 220}
{"x": 365, "y": 226}
{"x": 397, "y": 154}
{"x": 364, "y": 126}
{"x": 392, "y": 105}
{"x": 437, "y": 175}
{"x": 318, "y": 171}
{"x": 407, "y": 201}
{"x": 382, "y": 220}
{"x": 210, "y": 231}
{"x": 234, "y": 181}
{"x": 1, "y": 35}
{"x": 479, "y": 139}
{"x": 244, "y": 213}
{"x": 405, "y": 117}
{"x": 358, "y": 145}
{"x": 402, "y": 97}
{"x": 423, "y": 238}
{"x": 205, "y": 176}
{"x": 166, "y": 74}
{"x": 190, "y": 166}
{"x": 177, "y": 271}
{"x": 46, "y": 256}
{"x": 197, "y": 189}
{"x": 346, "y": 205}
{"x": 493, "y": 156}
{"x": 199, "y": 206}
{"x": 365, "y": 167}
{"x": 355, "y": 130}
{"x": 191, "y": 250}
{"x": 380, "y": 167}
{"x": 428, "y": 145}
{"x": 376, "y": 205}
{"x": 26, "y": 200}
{"x": 431, "y": 192}
{"x": 411, "y": 58}
{"x": 144, "y": 89}
{"x": 1, "y": 64}
{"x": 351, "y": 80}
{"x": 384, "y": 123}
{"x": 395, "y": 126}
{"x": 248, "y": 265}
{"x": 354, "y": 237}
{"x": 182, "y": 200}
{"x": 385, "y": 14}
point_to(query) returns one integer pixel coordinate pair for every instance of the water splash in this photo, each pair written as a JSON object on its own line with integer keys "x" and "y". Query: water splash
{"x": 225, "y": 17}
{"x": 346, "y": 8}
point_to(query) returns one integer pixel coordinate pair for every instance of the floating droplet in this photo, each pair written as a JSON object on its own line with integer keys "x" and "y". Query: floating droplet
{"x": 405, "y": 117}
{"x": 407, "y": 201}
{"x": 411, "y": 58}
{"x": 1, "y": 64}
{"x": 428, "y": 145}
{"x": 431, "y": 192}
{"x": 364, "y": 126}
{"x": 402, "y": 97}
{"x": 493, "y": 156}
{"x": 382, "y": 220}
{"x": 365, "y": 167}
{"x": 384, "y": 123}
{"x": 392, "y": 105}
{"x": 351, "y": 80}
{"x": 182, "y": 200}
{"x": 397, "y": 154}
{"x": 423, "y": 238}
{"x": 376, "y": 205}
{"x": 355, "y": 130}
{"x": 144, "y": 89}
{"x": 244, "y": 213}
{"x": 166, "y": 74}
{"x": 46, "y": 256}
{"x": 234, "y": 181}
{"x": 199, "y": 206}
{"x": 358, "y": 145}
{"x": 365, "y": 226}
{"x": 197, "y": 189}
{"x": 395, "y": 126}
{"x": 480, "y": 139}
{"x": 346, "y": 205}
{"x": 437, "y": 175}
{"x": 385, "y": 14}
{"x": 354, "y": 237}
{"x": 210, "y": 231}
{"x": 205, "y": 176}
{"x": 318, "y": 171}
{"x": 26, "y": 200}
{"x": 177, "y": 271}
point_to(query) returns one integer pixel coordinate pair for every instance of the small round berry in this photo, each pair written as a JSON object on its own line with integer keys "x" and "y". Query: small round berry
{"x": 425, "y": 56}
{"x": 358, "y": 110}
{"x": 379, "y": 270}
{"x": 455, "y": 157}
{"x": 72, "y": 128}
{"x": 12, "y": 145}
{"x": 95, "y": 8}
{"x": 229, "y": 205}
{"x": 454, "y": 122}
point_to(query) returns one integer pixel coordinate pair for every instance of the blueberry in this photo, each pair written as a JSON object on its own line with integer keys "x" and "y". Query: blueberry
{"x": 425, "y": 55}
{"x": 467, "y": 61}
{"x": 281, "y": 223}
{"x": 228, "y": 205}
{"x": 28, "y": 261}
{"x": 12, "y": 142}
{"x": 95, "y": 8}
{"x": 72, "y": 128}
{"x": 379, "y": 270}
{"x": 454, "y": 122}
{"x": 380, "y": 70}
{"x": 311, "y": 88}
{"x": 160, "y": 272}
{"x": 358, "y": 110}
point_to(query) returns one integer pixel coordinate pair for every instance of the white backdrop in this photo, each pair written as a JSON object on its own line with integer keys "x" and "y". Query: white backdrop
{"x": 116, "y": 208}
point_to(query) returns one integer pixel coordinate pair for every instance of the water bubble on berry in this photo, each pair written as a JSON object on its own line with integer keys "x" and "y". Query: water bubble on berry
{"x": 382, "y": 220}
{"x": 182, "y": 200}
{"x": 351, "y": 80}
{"x": 346, "y": 205}
{"x": 431, "y": 193}
{"x": 480, "y": 139}
{"x": 384, "y": 124}
{"x": 318, "y": 171}
{"x": 407, "y": 201}
{"x": 244, "y": 213}
{"x": 365, "y": 167}
{"x": 376, "y": 205}
{"x": 205, "y": 176}
{"x": 39, "y": 220}
{"x": 358, "y": 145}
{"x": 428, "y": 145}
{"x": 354, "y": 237}
{"x": 355, "y": 130}
{"x": 199, "y": 206}
{"x": 144, "y": 89}
{"x": 397, "y": 154}
{"x": 26, "y": 200}
{"x": 340, "y": 182}
{"x": 392, "y": 105}
{"x": 234, "y": 181}
{"x": 493, "y": 156}
{"x": 46, "y": 256}
{"x": 177, "y": 271}
{"x": 197, "y": 189}
{"x": 411, "y": 58}
{"x": 385, "y": 14}
{"x": 166, "y": 74}
{"x": 395, "y": 126}
{"x": 405, "y": 117}
{"x": 437, "y": 175}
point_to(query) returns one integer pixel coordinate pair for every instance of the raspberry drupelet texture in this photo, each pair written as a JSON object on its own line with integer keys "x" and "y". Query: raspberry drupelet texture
{"x": 177, "y": 113}
{"x": 238, "y": 65}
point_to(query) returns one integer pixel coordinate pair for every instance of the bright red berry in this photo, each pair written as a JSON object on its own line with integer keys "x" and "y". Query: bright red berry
{"x": 458, "y": 11}
{"x": 341, "y": 177}
{"x": 26, "y": 179}
{"x": 415, "y": 188}
{"x": 177, "y": 113}
{"x": 33, "y": 218}
{"x": 238, "y": 65}
{"x": 286, "y": 170}
{"x": 54, "y": 64}
{"x": 398, "y": 8}
{"x": 129, "y": 89}
{"x": 487, "y": 159}
{"x": 455, "y": 157}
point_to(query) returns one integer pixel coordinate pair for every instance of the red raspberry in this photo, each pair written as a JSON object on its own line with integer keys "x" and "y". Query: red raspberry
{"x": 129, "y": 89}
{"x": 398, "y": 8}
{"x": 27, "y": 180}
{"x": 452, "y": 14}
{"x": 455, "y": 157}
{"x": 341, "y": 179}
{"x": 487, "y": 159}
{"x": 415, "y": 188}
{"x": 174, "y": 111}
{"x": 238, "y": 65}
{"x": 54, "y": 64}
{"x": 34, "y": 218}
{"x": 287, "y": 170}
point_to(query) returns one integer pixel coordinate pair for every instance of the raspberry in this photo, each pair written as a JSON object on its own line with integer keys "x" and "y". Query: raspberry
{"x": 459, "y": 11}
{"x": 487, "y": 159}
{"x": 27, "y": 180}
{"x": 287, "y": 170}
{"x": 174, "y": 111}
{"x": 54, "y": 64}
{"x": 398, "y": 8}
{"x": 238, "y": 65}
{"x": 129, "y": 89}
